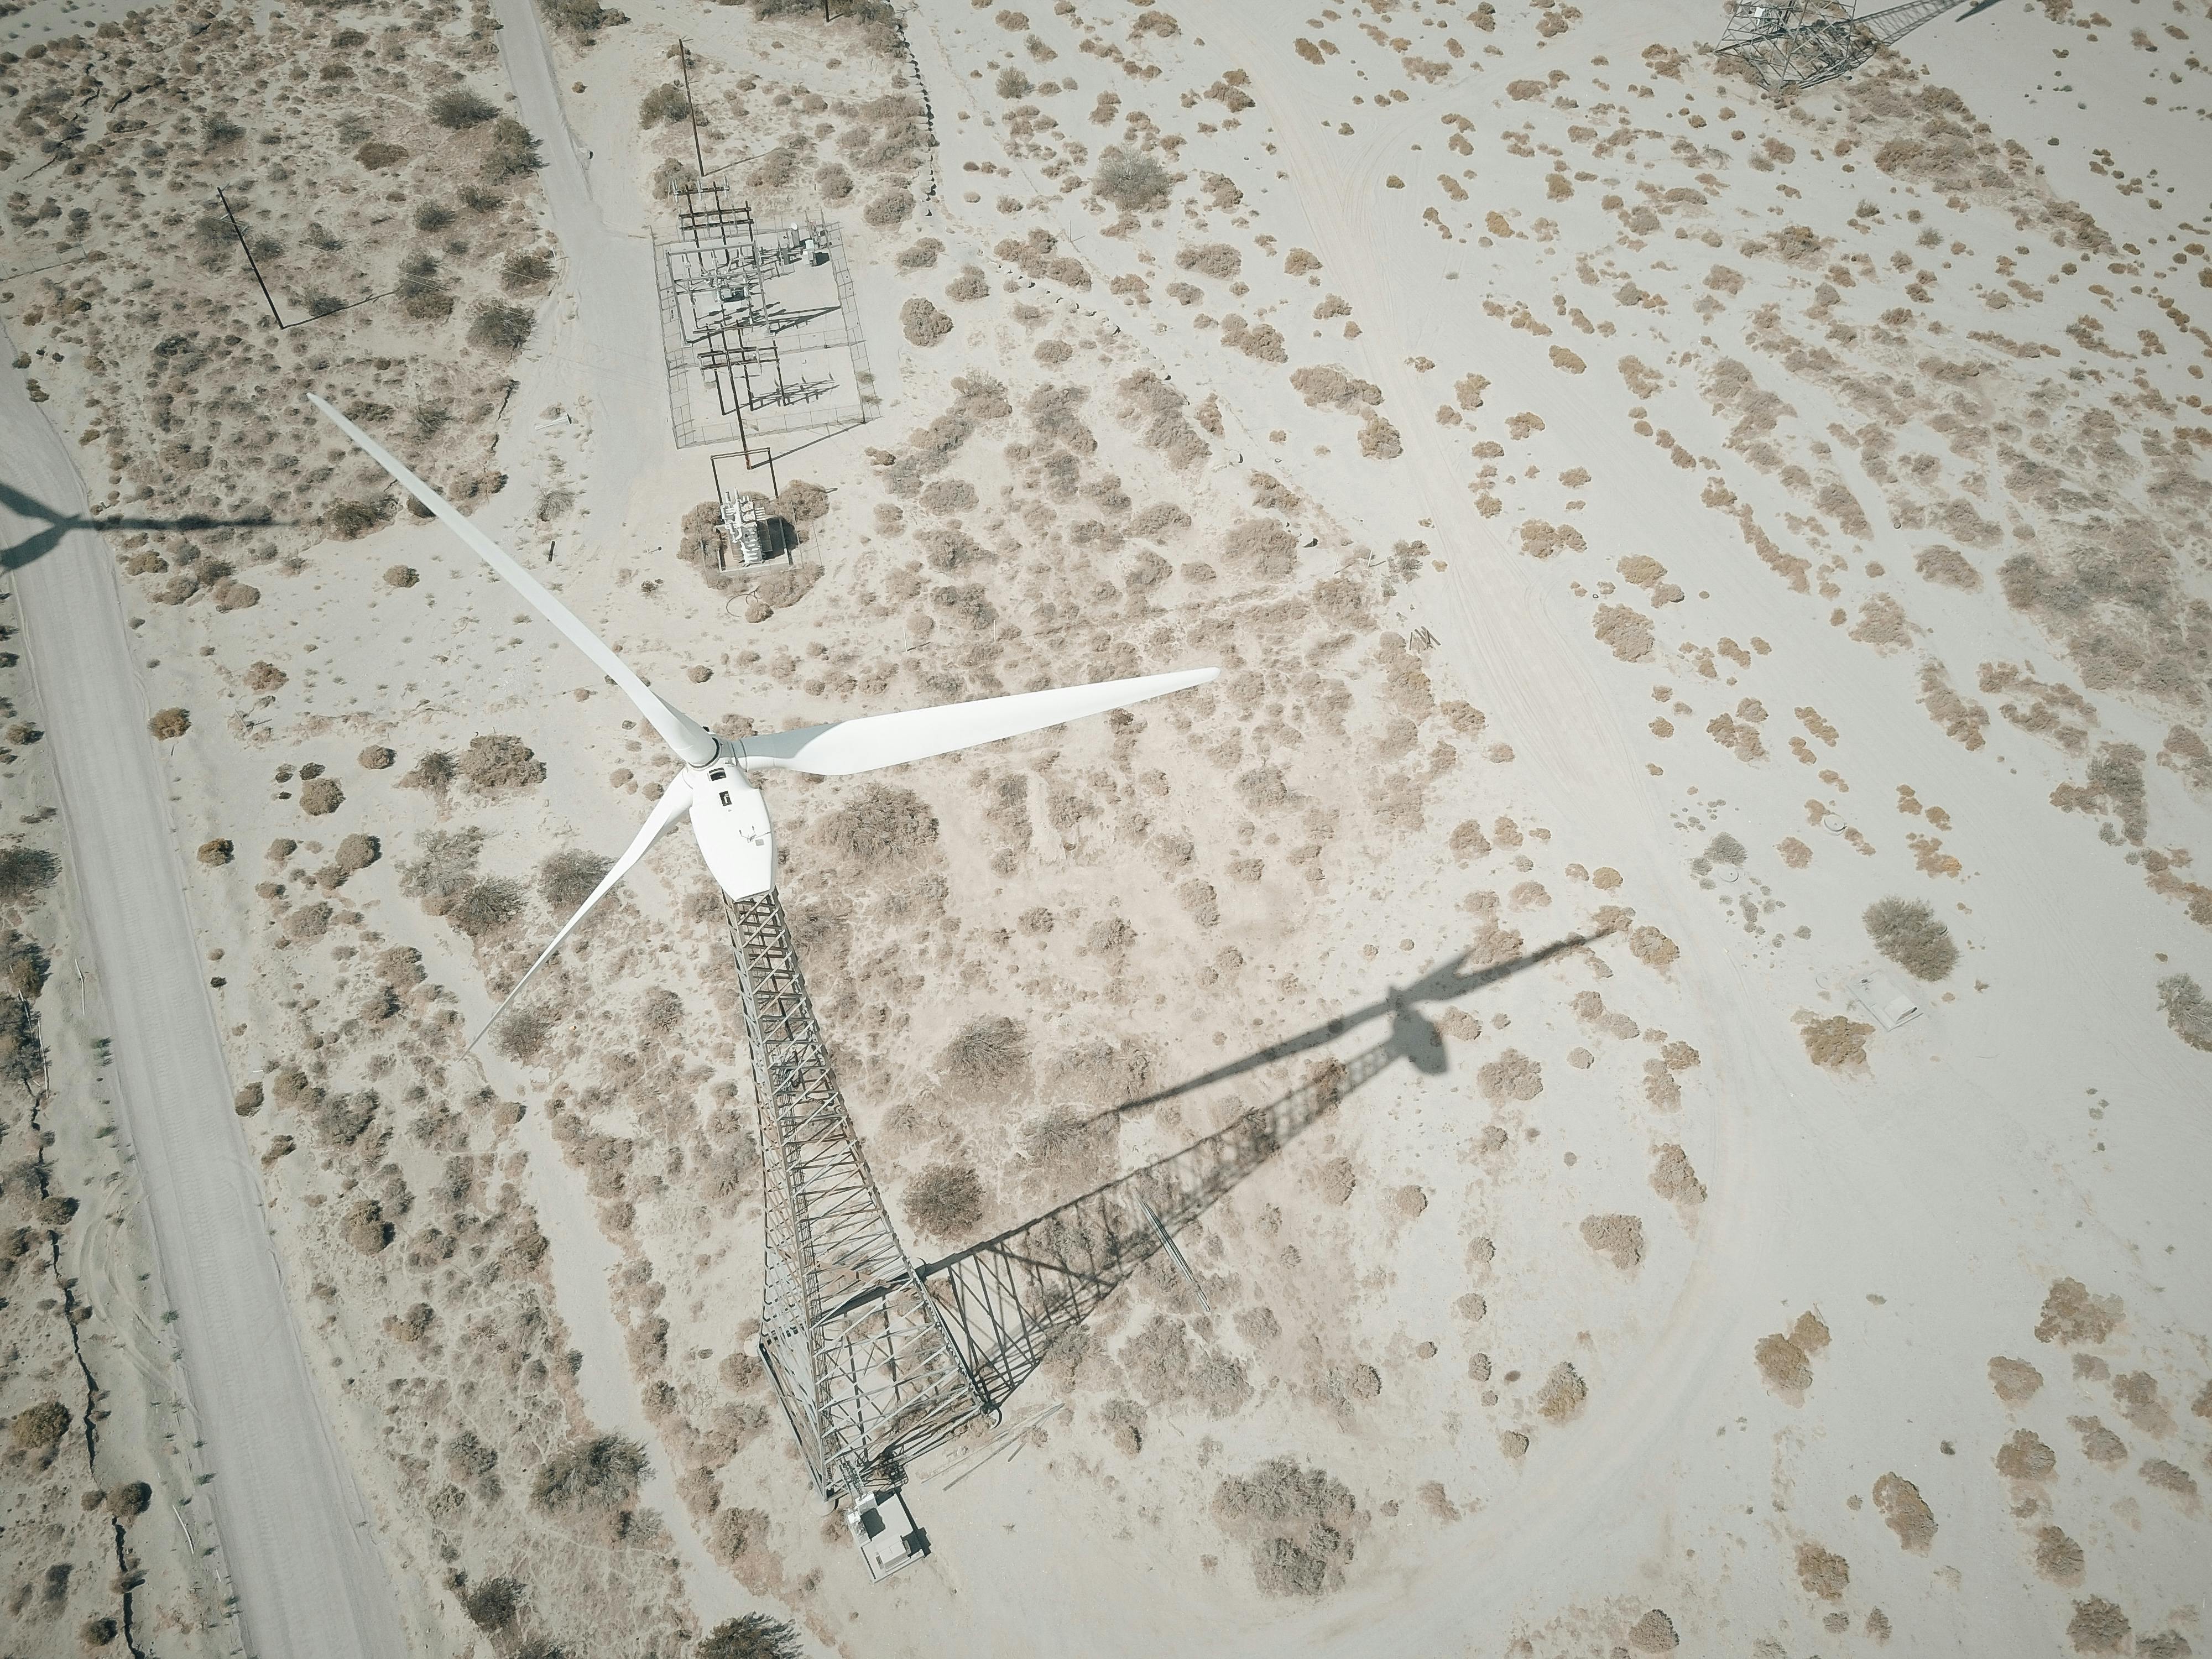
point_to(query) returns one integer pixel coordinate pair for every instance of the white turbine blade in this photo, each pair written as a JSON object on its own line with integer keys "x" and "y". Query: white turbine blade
{"x": 667, "y": 811}
{"x": 880, "y": 740}
{"x": 691, "y": 740}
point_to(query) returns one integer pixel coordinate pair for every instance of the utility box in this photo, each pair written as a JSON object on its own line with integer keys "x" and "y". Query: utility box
{"x": 1882, "y": 997}
{"x": 888, "y": 1538}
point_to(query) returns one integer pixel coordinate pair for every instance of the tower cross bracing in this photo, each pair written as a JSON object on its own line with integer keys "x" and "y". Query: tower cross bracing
{"x": 860, "y": 1355}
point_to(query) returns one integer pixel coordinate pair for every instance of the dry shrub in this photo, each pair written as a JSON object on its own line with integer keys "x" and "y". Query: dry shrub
{"x": 1784, "y": 1365}
{"x": 365, "y": 1227}
{"x": 1563, "y": 1394}
{"x": 946, "y": 1200}
{"x": 499, "y": 326}
{"x": 217, "y": 852}
{"x": 756, "y": 1636}
{"x": 2058, "y": 1557}
{"x": 1908, "y": 933}
{"x": 493, "y": 1605}
{"x": 600, "y": 1474}
{"x": 129, "y": 1500}
{"x": 1835, "y": 1042}
{"x": 568, "y": 878}
{"x": 2014, "y": 1380}
{"x": 1329, "y": 386}
{"x": 499, "y": 764}
{"x": 2099, "y": 1626}
{"x": 1511, "y": 1076}
{"x": 462, "y": 108}
{"x": 1621, "y": 1237}
{"x": 1653, "y": 1633}
{"x": 2025, "y": 1456}
{"x": 25, "y": 872}
{"x": 169, "y": 723}
{"x": 2186, "y": 1010}
{"x": 881, "y": 823}
{"x": 2071, "y": 1315}
{"x": 1652, "y": 948}
{"x": 1132, "y": 180}
{"x": 1963, "y": 720}
{"x": 922, "y": 323}
{"x": 321, "y": 797}
{"x": 1673, "y": 1178}
{"x": 991, "y": 1051}
{"x": 1906, "y": 1512}
{"x": 41, "y": 1426}
{"x": 661, "y": 1011}
{"x": 1215, "y": 259}
{"x": 1947, "y": 566}
{"x": 523, "y": 1031}
{"x": 1299, "y": 1524}
{"x": 1823, "y": 1572}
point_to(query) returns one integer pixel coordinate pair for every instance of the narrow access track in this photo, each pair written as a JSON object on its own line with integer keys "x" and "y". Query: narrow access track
{"x": 310, "y": 1581}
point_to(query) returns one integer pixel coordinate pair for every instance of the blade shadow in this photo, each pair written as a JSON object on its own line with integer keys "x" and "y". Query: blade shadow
{"x": 1010, "y": 1298}
{"x": 1446, "y": 981}
{"x": 40, "y": 543}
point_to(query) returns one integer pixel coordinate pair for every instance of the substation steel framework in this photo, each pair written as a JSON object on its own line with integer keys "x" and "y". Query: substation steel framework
{"x": 861, "y": 1357}
{"x": 1802, "y": 43}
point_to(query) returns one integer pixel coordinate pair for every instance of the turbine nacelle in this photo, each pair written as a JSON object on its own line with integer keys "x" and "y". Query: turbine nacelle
{"x": 714, "y": 786}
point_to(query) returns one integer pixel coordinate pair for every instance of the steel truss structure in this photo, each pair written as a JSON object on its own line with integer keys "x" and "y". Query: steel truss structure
{"x": 861, "y": 1355}
{"x": 1787, "y": 44}
{"x": 754, "y": 324}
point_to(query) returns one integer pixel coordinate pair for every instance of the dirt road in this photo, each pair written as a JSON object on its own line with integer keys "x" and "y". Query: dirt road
{"x": 305, "y": 1564}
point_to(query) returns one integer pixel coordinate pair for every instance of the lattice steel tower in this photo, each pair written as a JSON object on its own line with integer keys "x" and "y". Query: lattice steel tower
{"x": 1802, "y": 43}
{"x": 861, "y": 1357}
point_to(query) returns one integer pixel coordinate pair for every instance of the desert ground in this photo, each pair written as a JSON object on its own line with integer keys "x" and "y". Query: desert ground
{"x": 1696, "y": 575}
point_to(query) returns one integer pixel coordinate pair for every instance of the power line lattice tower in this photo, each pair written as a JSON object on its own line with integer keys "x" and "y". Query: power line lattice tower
{"x": 860, "y": 1355}
{"x": 1802, "y": 43}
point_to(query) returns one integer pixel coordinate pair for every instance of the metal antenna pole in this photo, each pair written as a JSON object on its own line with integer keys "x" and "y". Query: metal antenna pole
{"x": 690, "y": 107}
{"x": 251, "y": 262}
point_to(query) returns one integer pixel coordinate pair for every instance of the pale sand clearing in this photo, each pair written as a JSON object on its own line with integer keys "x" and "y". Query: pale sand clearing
{"x": 1745, "y": 546}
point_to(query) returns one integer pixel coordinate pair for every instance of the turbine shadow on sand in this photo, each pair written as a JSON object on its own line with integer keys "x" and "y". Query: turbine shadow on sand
{"x": 58, "y": 524}
{"x": 1009, "y": 1299}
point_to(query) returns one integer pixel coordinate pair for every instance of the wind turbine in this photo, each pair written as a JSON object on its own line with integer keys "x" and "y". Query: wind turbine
{"x": 713, "y": 784}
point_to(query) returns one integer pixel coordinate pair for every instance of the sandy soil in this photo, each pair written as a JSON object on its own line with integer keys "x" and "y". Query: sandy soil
{"x": 1754, "y": 548}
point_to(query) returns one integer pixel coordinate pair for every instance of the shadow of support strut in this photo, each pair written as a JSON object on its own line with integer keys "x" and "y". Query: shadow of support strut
{"x": 1008, "y": 1299}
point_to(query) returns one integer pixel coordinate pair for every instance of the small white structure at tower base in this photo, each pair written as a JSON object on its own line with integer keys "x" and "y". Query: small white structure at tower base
{"x": 888, "y": 1538}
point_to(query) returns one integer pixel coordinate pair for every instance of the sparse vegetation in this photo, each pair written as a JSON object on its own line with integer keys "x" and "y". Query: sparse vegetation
{"x": 462, "y": 108}
{"x": 991, "y": 1050}
{"x": 501, "y": 763}
{"x": 1299, "y": 1523}
{"x": 522, "y": 1032}
{"x": 756, "y": 1636}
{"x": 25, "y": 872}
{"x": 493, "y": 1605}
{"x": 501, "y": 327}
{"x": 601, "y": 1474}
{"x": 2186, "y": 1010}
{"x": 1132, "y": 180}
{"x": 1908, "y": 933}
{"x": 350, "y": 520}
{"x": 41, "y": 1426}
{"x": 881, "y": 822}
{"x": 525, "y": 270}
{"x": 513, "y": 152}
{"x": 422, "y": 290}
{"x": 1835, "y": 1042}
{"x": 665, "y": 105}
{"x": 568, "y": 878}
{"x": 946, "y": 1200}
